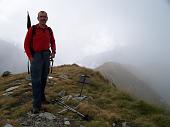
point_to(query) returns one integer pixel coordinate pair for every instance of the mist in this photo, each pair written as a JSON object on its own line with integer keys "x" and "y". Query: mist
{"x": 93, "y": 32}
{"x": 12, "y": 58}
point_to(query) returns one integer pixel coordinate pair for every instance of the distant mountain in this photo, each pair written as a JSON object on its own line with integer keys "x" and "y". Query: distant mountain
{"x": 12, "y": 58}
{"x": 157, "y": 75}
{"x": 127, "y": 81}
{"x": 96, "y": 60}
{"x": 150, "y": 65}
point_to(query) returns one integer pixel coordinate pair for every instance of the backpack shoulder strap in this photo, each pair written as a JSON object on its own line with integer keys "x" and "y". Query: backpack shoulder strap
{"x": 51, "y": 34}
{"x": 33, "y": 30}
{"x": 50, "y": 31}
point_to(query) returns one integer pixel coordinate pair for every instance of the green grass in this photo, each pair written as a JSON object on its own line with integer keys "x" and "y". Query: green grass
{"x": 105, "y": 104}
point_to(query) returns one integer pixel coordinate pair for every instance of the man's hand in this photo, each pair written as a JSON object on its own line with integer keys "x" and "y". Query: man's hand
{"x": 52, "y": 55}
{"x": 31, "y": 59}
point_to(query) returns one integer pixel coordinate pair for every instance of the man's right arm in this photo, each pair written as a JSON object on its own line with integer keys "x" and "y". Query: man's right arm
{"x": 27, "y": 44}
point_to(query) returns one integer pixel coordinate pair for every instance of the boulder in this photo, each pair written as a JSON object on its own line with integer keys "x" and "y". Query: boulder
{"x": 6, "y": 73}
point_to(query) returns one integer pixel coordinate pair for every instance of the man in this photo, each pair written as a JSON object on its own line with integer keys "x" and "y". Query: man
{"x": 37, "y": 47}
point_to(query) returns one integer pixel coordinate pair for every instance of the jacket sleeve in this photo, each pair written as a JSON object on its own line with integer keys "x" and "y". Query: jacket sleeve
{"x": 53, "y": 45}
{"x": 27, "y": 43}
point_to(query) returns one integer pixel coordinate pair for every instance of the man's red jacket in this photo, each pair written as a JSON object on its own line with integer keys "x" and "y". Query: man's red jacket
{"x": 40, "y": 41}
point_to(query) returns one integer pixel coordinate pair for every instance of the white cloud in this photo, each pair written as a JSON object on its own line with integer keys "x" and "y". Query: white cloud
{"x": 88, "y": 27}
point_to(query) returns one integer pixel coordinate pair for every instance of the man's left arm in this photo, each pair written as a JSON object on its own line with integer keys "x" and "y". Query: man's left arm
{"x": 53, "y": 45}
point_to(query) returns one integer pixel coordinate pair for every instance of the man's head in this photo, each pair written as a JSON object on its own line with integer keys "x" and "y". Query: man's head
{"x": 42, "y": 18}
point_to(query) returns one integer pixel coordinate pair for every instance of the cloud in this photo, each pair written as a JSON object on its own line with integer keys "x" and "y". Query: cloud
{"x": 88, "y": 27}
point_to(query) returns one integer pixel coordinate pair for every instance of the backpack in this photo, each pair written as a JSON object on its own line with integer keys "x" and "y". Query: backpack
{"x": 33, "y": 34}
{"x": 31, "y": 45}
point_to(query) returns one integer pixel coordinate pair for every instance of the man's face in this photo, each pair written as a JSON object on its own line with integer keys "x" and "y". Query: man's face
{"x": 42, "y": 18}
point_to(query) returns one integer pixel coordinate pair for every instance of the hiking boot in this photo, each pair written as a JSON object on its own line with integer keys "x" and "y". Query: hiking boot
{"x": 45, "y": 102}
{"x": 35, "y": 110}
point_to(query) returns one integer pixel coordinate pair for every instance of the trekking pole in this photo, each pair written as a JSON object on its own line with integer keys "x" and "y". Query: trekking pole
{"x": 28, "y": 67}
{"x": 85, "y": 117}
{"x": 52, "y": 66}
{"x": 52, "y": 62}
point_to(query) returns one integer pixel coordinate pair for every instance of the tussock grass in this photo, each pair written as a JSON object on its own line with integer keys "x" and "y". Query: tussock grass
{"x": 145, "y": 109}
{"x": 105, "y": 104}
{"x": 161, "y": 120}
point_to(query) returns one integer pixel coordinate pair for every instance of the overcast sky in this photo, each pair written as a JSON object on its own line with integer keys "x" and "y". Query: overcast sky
{"x": 88, "y": 27}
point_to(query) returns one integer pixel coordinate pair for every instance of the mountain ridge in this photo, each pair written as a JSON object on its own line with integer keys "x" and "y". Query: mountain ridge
{"x": 105, "y": 103}
{"x": 125, "y": 80}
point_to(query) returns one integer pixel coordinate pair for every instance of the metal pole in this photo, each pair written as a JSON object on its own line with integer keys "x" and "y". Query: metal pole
{"x": 81, "y": 89}
{"x": 52, "y": 64}
{"x": 28, "y": 67}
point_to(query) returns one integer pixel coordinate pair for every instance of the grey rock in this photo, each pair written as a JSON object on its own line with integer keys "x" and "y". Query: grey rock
{"x": 8, "y": 125}
{"x": 62, "y": 93}
{"x": 30, "y": 84}
{"x": 6, "y": 73}
{"x": 50, "y": 77}
{"x": 124, "y": 124}
{"x": 63, "y": 76}
{"x": 47, "y": 115}
{"x": 7, "y": 93}
{"x": 68, "y": 97}
{"x": 16, "y": 82}
{"x": 28, "y": 78}
{"x": 11, "y": 88}
{"x": 45, "y": 119}
{"x": 65, "y": 119}
{"x": 80, "y": 98}
{"x": 82, "y": 126}
{"x": 67, "y": 122}
{"x": 113, "y": 125}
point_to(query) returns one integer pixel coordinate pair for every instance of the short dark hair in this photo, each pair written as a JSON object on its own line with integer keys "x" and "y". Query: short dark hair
{"x": 41, "y": 12}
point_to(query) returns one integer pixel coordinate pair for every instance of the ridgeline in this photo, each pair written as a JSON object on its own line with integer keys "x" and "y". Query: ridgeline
{"x": 101, "y": 101}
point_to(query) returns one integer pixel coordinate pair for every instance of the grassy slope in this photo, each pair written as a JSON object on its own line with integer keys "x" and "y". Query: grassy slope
{"x": 106, "y": 104}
